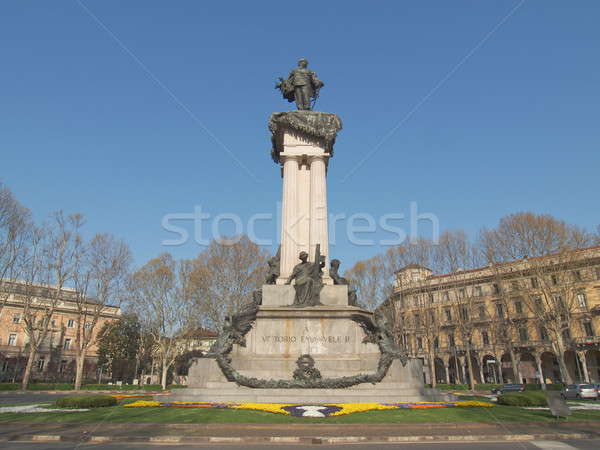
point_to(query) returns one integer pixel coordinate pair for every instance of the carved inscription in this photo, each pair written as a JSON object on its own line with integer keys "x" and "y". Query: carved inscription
{"x": 309, "y": 339}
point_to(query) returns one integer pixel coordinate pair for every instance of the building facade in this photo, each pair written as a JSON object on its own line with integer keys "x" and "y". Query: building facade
{"x": 535, "y": 320}
{"x": 55, "y": 358}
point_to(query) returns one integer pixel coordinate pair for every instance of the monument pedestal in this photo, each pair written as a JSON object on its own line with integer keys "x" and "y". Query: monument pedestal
{"x": 281, "y": 334}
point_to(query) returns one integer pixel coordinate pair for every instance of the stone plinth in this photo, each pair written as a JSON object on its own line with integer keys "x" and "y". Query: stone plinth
{"x": 402, "y": 384}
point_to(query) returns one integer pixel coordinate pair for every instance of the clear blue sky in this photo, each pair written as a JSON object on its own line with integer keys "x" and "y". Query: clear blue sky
{"x": 153, "y": 108}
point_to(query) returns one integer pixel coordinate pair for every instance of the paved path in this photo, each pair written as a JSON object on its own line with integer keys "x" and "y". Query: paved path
{"x": 297, "y": 433}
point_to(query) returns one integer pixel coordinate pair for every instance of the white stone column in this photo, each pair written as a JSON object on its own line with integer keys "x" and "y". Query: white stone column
{"x": 318, "y": 211}
{"x": 584, "y": 367}
{"x": 538, "y": 364}
{"x": 289, "y": 209}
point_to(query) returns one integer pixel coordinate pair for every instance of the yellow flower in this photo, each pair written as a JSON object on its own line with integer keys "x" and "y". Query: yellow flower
{"x": 349, "y": 408}
{"x": 142, "y": 404}
{"x": 473, "y": 404}
{"x": 267, "y": 407}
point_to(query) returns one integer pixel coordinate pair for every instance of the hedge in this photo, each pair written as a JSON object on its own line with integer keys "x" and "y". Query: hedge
{"x": 523, "y": 399}
{"x": 10, "y": 386}
{"x": 86, "y": 401}
{"x": 453, "y": 387}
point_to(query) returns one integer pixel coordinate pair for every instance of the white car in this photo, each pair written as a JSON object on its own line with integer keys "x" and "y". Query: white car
{"x": 579, "y": 391}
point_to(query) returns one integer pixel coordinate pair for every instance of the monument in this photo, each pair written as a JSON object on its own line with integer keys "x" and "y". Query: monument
{"x": 303, "y": 338}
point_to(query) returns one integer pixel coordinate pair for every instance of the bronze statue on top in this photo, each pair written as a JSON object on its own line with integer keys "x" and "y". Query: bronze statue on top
{"x": 301, "y": 85}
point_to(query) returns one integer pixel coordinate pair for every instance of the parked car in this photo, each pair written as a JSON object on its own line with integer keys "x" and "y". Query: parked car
{"x": 579, "y": 391}
{"x": 510, "y": 387}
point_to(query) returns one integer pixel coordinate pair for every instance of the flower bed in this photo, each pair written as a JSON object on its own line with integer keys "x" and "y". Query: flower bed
{"x": 312, "y": 410}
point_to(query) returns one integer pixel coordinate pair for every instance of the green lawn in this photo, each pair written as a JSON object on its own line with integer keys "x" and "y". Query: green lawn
{"x": 118, "y": 414}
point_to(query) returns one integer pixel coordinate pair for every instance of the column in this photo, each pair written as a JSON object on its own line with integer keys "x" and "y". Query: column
{"x": 318, "y": 211}
{"x": 482, "y": 376}
{"x": 462, "y": 369}
{"x": 538, "y": 365}
{"x": 581, "y": 355}
{"x": 447, "y": 369}
{"x": 289, "y": 208}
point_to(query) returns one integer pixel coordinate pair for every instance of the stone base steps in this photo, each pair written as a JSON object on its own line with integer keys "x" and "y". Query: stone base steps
{"x": 356, "y": 394}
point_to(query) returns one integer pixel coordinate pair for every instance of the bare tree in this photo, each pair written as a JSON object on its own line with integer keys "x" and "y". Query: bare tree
{"x": 160, "y": 295}
{"x": 549, "y": 270}
{"x": 49, "y": 268}
{"x": 224, "y": 276}
{"x": 99, "y": 276}
{"x": 457, "y": 255}
{"x": 15, "y": 226}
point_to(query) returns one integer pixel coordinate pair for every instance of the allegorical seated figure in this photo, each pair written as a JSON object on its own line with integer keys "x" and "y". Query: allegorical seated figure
{"x": 301, "y": 85}
{"x": 333, "y": 273}
{"x": 308, "y": 282}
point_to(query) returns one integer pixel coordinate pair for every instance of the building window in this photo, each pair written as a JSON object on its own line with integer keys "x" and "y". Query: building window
{"x": 554, "y": 280}
{"x": 495, "y": 288}
{"x": 419, "y": 343}
{"x": 461, "y": 294}
{"x": 543, "y": 333}
{"x": 499, "y": 310}
{"x": 514, "y": 285}
{"x": 597, "y": 273}
{"x": 566, "y": 334}
{"x": 581, "y": 301}
{"x": 53, "y": 322}
{"x": 67, "y": 345}
{"x": 5, "y": 365}
{"x": 16, "y": 318}
{"x": 431, "y": 300}
{"x": 577, "y": 275}
{"x": 417, "y": 320}
{"x": 477, "y": 292}
{"x": 523, "y": 334}
{"x": 588, "y": 331}
{"x": 485, "y": 338}
{"x": 464, "y": 313}
{"x": 44, "y": 321}
{"x": 71, "y": 323}
{"x": 40, "y": 364}
{"x": 539, "y": 304}
{"x": 432, "y": 316}
{"x": 451, "y": 340}
{"x": 33, "y": 320}
{"x": 534, "y": 282}
{"x": 12, "y": 340}
{"x": 518, "y": 307}
{"x": 63, "y": 366}
{"x": 87, "y": 325}
{"x": 448, "y": 314}
{"x": 415, "y": 277}
{"x": 416, "y": 300}
{"x": 446, "y": 296}
{"x": 436, "y": 343}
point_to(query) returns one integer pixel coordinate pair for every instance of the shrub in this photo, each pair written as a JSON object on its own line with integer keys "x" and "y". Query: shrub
{"x": 131, "y": 387}
{"x": 86, "y": 401}
{"x": 10, "y": 386}
{"x": 64, "y": 386}
{"x": 97, "y": 387}
{"x": 179, "y": 386}
{"x": 555, "y": 387}
{"x": 453, "y": 387}
{"x": 523, "y": 399}
{"x": 40, "y": 387}
{"x": 153, "y": 387}
{"x": 533, "y": 387}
